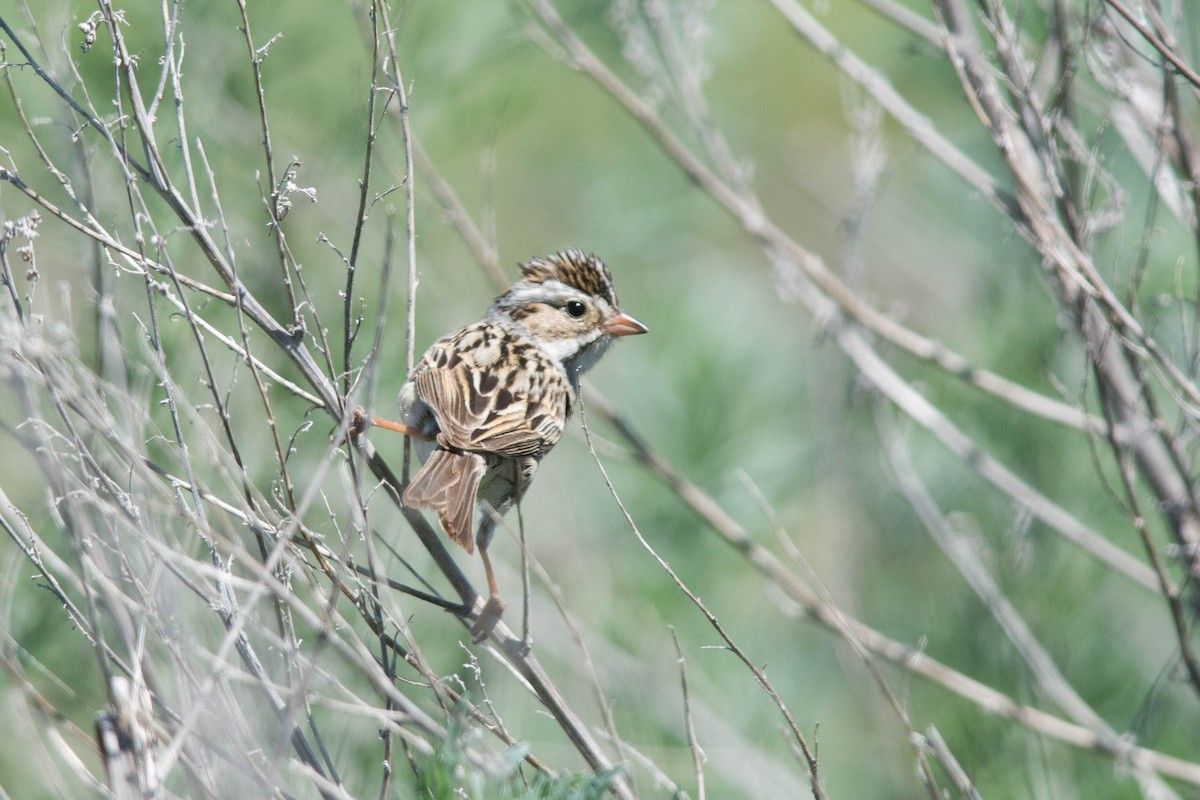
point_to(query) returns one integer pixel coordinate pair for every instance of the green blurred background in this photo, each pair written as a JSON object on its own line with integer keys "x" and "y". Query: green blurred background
{"x": 739, "y": 389}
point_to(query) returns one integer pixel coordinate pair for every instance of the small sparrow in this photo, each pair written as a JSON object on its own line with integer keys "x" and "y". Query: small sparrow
{"x": 487, "y": 402}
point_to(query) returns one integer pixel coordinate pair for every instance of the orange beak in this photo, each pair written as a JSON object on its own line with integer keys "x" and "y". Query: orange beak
{"x": 623, "y": 325}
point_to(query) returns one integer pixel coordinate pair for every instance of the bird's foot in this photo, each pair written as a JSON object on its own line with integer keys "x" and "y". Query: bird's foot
{"x": 489, "y": 615}
{"x": 359, "y": 422}
{"x": 355, "y": 427}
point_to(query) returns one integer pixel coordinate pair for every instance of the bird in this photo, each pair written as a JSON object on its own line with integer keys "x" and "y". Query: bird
{"x": 487, "y": 402}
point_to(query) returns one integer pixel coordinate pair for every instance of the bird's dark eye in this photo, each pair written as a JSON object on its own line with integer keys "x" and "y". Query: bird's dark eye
{"x": 576, "y": 309}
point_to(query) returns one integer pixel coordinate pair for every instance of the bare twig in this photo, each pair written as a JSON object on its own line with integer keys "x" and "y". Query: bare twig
{"x": 962, "y": 781}
{"x": 693, "y": 743}
{"x": 1168, "y": 52}
{"x": 759, "y": 676}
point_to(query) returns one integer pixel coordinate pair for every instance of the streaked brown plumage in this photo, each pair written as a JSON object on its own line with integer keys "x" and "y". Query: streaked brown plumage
{"x": 488, "y": 401}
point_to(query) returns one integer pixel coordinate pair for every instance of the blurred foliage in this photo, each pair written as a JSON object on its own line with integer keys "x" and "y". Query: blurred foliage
{"x": 446, "y": 775}
{"x": 742, "y": 391}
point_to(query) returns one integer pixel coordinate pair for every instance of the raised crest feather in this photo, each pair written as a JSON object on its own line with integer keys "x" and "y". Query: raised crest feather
{"x": 583, "y": 271}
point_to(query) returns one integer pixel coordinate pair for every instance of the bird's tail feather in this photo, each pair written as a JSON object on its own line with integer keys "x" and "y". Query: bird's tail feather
{"x": 448, "y": 484}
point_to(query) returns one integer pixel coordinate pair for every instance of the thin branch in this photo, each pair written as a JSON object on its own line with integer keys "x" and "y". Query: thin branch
{"x": 1167, "y": 52}
{"x": 256, "y": 57}
{"x": 689, "y": 725}
{"x": 820, "y": 611}
{"x": 958, "y": 776}
{"x": 759, "y": 676}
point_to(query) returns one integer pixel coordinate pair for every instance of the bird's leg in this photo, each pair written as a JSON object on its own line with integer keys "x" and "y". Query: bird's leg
{"x": 489, "y": 615}
{"x": 399, "y": 427}
{"x": 359, "y": 422}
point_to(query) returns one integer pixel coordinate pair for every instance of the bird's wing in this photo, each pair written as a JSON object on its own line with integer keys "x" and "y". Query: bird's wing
{"x": 493, "y": 393}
